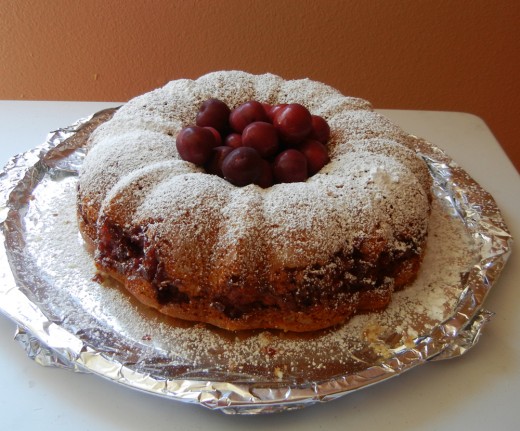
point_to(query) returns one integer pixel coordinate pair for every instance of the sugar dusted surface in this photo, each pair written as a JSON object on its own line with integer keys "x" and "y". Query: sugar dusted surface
{"x": 303, "y": 223}
{"x": 111, "y": 321}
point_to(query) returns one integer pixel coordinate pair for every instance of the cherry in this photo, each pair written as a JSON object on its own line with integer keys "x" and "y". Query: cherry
{"x": 262, "y": 137}
{"x": 260, "y": 132}
{"x": 233, "y": 140}
{"x": 195, "y": 144}
{"x": 316, "y": 155}
{"x": 214, "y": 165}
{"x": 242, "y": 166}
{"x": 290, "y": 166}
{"x": 265, "y": 179}
{"x": 216, "y": 134}
{"x": 294, "y": 122}
{"x": 214, "y": 113}
{"x": 274, "y": 109}
{"x": 267, "y": 108}
{"x": 245, "y": 114}
{"x": 320, "y": 129}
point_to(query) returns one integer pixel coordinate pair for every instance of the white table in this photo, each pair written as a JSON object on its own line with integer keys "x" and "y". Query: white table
{"x": 477, "y": 391}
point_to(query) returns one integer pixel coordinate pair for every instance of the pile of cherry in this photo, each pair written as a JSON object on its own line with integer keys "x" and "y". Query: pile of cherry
{"x": 256, "y": 143}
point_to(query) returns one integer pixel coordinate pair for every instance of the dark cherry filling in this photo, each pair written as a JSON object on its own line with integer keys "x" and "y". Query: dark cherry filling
{"x": 130, "y": 253}
{"x": 236, "y": 310}
{"x": 169, "y": 293}
{"x": 122, "y": 251}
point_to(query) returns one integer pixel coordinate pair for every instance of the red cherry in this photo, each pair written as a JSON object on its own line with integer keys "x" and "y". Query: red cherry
{"x": 267, "y": 107}
{"x": 242, "y": 166}
{"x": 265, "y": 179}
{"x": 214, "y": 165}
{"x": 233, "y": 140}
{"x": 214, "y": 113}
{"x": 195, "y": 144}
{"x": 216, "y": 134}
{"x": 245, "y": 114}
{"x": 320, "y": 129}
{"x": 294, "y": 122}
{"x": 262, "y": 137}
{"x": 274, "y": 109}
{"x": 316, "y": 155}
{"x": 290, "y": 166}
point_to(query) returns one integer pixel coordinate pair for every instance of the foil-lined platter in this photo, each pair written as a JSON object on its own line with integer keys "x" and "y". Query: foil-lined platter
{"x": 68, "y": 316}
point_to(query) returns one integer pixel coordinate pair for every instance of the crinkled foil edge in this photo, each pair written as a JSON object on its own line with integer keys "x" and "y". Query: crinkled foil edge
{"x": 51, "y": 345}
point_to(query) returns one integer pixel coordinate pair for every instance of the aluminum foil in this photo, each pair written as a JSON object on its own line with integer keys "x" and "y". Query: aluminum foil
{"x": 68, "y": 317}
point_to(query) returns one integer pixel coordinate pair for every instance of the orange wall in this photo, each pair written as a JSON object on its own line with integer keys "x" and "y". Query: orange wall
{"x": 457, "y": 55}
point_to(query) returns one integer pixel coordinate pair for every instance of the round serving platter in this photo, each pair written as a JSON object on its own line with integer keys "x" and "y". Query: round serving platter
{"x": 69, "y": 316}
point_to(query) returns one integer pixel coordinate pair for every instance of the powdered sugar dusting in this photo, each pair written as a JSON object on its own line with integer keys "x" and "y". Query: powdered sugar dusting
{"x": 93, "y": 311}
{"x": 304, "y": 223}
{"x": 123, "y": 154}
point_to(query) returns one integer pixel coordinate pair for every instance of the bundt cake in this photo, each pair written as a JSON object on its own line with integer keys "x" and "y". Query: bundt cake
{"x": 296, "y": 256}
